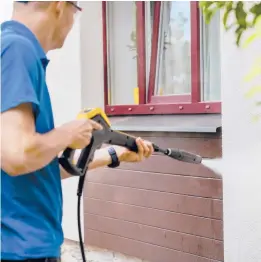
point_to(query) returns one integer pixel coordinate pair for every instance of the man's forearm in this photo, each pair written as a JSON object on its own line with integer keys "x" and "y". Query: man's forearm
{"x": 38, "y": 152}
{"x": 101, "y": 159}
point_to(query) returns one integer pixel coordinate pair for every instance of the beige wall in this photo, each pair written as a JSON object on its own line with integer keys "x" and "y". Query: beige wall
{"x": 241, "y": 155}
{"x": 92, "y": 54}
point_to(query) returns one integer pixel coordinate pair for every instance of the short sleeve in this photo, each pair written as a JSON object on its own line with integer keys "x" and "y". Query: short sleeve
{"x": 19, "y": 71}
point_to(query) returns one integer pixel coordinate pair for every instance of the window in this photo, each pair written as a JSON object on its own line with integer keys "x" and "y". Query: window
{"x": 160, "y": 58}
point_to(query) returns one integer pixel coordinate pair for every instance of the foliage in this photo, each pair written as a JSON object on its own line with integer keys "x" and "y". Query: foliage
{"x": 245, "y": 16}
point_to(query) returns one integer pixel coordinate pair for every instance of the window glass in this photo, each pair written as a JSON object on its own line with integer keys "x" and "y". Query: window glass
{"x": 122, "y": 52}
{"x": 174, "y": 59}
{"x": 210, "y": 59}
{"x": 149, "y": 17}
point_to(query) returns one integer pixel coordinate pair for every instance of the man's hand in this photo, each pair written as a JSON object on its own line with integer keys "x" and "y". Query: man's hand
{"x": 81, "y": 132}
{"x": 102, "y": 158}
{"x": 145, "y": 151}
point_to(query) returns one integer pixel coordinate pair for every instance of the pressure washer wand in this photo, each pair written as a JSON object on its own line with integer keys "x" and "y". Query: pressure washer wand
{"x": 180, "y": 155}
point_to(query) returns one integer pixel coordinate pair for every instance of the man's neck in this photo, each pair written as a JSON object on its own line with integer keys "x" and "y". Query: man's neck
{"x": 39, "y": 27}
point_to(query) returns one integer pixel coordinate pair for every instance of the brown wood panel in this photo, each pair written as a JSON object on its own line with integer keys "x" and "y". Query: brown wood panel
{"x": 160, "y": 210}
{"x": 199, "y": 226}
{"x": 204, "y": 187}
{"x": 206, "y": 147}
{"x": 182, "y": 242}
{"x": 198, "y": 206}
{"x": 164, "y": 164}
{"x": 139, "y": 249}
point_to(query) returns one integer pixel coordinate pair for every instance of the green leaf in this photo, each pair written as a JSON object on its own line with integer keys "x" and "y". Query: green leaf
{"x": 205, "y": 4}
{"x": 253, "y": 91}
{"x": 208, "y": 17}
{"x": 239, "y": 31}
{"x": 241, "y": 14}
{"x": 227, "y": 12}
{"x": 250, "y": 40}
{"x": 256, "y": 9}
{"x": 255, "y": 35}
{"x": 221, "y": 4}
{"x": 256, "y": 70}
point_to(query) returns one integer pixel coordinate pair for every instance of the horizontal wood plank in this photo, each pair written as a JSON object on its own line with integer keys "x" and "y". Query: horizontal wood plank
{"x": 206, "y": 147}
{"x": 194, "y": 186}
{"x": 162, "y": 219}
{"x": 138, "y": 249}
{"x": 164, "y": 164}
{"x": 204, "y": 207}
{"x": 178, "y": 241}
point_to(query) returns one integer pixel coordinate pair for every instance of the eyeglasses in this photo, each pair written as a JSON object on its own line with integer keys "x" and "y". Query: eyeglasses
{"x": 74, "y": 3}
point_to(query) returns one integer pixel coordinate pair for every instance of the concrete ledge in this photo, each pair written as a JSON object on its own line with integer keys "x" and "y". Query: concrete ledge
{"x": 71, "y": 253}
{"x": 202, "y": 123}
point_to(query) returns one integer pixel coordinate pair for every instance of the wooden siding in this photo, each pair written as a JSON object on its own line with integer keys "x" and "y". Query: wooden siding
{"x": 160, "y": 210}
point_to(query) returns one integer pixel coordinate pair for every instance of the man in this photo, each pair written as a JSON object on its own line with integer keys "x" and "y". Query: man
{"x": 31, "y": 176}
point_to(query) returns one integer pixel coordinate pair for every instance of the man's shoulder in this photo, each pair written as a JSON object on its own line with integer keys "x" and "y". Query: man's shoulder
{"x": 13, "y": 44}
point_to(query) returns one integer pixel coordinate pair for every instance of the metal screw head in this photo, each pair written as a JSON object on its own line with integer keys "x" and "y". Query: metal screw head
{"x": 180, "y": 107}
{"x": 207, "y": 106}
{"x": 112, "y": 109}
{"x": 129, "y": 108}
{"x": 151, "y": 108}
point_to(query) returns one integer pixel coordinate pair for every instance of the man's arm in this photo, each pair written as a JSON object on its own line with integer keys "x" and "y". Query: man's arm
{"x": 102, "y": 157}
{"x": 22, "y": 149}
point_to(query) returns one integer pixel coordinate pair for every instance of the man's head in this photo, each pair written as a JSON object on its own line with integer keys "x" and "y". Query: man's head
{"x": 51, "y": 21}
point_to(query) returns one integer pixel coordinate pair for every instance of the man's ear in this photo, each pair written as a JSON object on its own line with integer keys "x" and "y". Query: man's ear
{"x": 58, "y": 8}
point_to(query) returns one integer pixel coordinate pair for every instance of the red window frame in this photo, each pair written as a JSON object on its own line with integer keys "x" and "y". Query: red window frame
{"x": 151, "y": 104}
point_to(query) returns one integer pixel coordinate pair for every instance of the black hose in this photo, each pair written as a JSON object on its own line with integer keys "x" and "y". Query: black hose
{"x": 80, "y": 228}
{"x": 79, "y": 194}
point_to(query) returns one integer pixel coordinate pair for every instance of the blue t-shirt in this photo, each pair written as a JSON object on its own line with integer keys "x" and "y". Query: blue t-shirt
{"x": 32, "y": 203}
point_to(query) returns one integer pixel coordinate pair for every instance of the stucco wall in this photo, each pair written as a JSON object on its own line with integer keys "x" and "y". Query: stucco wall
{"x": 92, "y": 54}
{"x": 241, "y": 155}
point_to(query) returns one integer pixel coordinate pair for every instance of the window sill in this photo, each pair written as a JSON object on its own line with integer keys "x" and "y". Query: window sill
{"x": 203, "y": 123}
{"x": 165, "y": 109}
